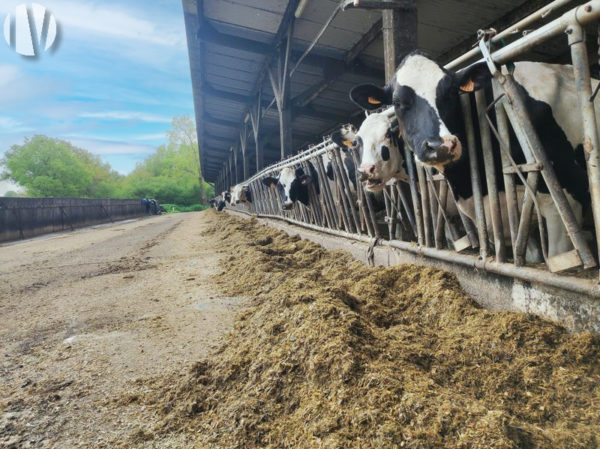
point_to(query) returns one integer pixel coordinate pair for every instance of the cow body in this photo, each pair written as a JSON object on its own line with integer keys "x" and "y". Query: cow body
{"x": 427, "y": 104}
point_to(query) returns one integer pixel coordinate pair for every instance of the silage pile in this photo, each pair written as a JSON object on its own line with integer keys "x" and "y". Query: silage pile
{"x": 334, "y": 354}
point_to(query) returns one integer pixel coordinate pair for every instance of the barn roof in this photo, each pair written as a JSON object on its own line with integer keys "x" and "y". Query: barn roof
{"x": 230, "y": 43}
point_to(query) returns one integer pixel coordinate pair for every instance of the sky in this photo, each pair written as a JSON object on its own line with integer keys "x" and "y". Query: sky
{"x": 115, "y": 77}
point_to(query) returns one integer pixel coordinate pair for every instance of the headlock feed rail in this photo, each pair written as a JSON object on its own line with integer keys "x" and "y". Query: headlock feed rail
{"x": 419, "y": 213}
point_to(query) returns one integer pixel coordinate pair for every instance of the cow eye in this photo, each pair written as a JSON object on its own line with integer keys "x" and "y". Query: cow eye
{"x": 385, "y": 152}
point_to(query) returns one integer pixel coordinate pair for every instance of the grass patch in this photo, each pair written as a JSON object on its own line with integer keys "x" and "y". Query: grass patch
{"x": 175, "y": 208}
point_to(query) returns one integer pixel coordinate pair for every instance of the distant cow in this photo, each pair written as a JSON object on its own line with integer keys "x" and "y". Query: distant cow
{"x": 426, "y": 102}
{"x": 293, "y": 185}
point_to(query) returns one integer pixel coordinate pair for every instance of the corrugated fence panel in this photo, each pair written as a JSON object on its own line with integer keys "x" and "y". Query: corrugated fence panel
{"x": 27, "y": 217}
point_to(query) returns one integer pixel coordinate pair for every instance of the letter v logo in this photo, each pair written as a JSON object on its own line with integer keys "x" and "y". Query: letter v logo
{"x": 31, "y": 31}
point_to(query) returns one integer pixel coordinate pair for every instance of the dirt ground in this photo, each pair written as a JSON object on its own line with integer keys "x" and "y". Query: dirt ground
{"x": 210, "y": 331}
{"x": 91, "y": 315}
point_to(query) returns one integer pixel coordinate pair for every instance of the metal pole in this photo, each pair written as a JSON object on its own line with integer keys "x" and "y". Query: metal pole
{"x": 581, "y": 70}
{"x": 556, "y": 191}
{"x": 510, "y": 191}
{"x": 475, "y": 181}
{"x": 490, "y": 177}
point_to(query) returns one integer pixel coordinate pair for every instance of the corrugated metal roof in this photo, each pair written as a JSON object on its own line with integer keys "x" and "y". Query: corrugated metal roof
{"x": 226, "y": 62}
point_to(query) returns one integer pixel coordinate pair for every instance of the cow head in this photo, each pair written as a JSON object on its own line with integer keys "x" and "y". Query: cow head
{"x": 425, "y": 97}
{"x": 226, "y": 196}
{"x": 292, "y": 185}
{"x": 379, "y": 148}
{"x": 241, "y": 194}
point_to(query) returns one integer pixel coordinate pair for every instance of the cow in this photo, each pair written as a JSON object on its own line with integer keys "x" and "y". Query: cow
{"x": 380, "y": 150}
{"x": 293, "y": 185}
{"x": 426, "y": 102}
{"x": 240, "y": 194}
{"x": 226, "y": 196}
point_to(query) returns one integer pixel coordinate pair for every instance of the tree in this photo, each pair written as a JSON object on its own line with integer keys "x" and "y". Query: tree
{"x": 49, "y": 167}
{"x": 183, "y": 134}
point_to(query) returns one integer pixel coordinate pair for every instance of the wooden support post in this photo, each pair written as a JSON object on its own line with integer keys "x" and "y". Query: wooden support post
{"x": 399, "y": 36}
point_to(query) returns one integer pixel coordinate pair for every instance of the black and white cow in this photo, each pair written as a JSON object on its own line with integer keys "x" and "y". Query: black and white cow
{"x": 241, "y": 194}
{"x": 426, "y": 100}
{"x": 380, "y": 150}
{"x": 293, "y": 185}
{"x": 226, "y": 196}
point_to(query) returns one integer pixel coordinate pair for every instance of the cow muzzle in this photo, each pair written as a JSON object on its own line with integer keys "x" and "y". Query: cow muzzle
{"x": 288, "y": 205}
{"x": 369, "y": 174}
{"x": 445, "y": 150}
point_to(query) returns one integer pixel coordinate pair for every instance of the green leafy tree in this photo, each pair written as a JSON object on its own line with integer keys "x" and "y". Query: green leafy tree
{"x": 49, "y": 167}
{"x": 172, "y": 174}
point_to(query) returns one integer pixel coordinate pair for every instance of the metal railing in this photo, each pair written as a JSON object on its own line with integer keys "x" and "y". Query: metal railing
{"x": 420, "y": 214}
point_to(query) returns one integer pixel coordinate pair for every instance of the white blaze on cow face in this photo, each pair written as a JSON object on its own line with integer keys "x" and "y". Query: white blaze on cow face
{"x": 286, "y": 178}
{"x": 416, "y": 98}
{"x": 380, "y": 155}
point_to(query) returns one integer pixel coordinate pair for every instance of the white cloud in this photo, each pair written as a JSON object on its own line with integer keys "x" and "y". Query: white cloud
{"x": 105, "y": 147}
{"x": 127, "y": 115}
{"x": 11, "y": 125}
{"x": 157, "y": 136}
{"x": 114, "y": 21}
{"x": 8, "y": 74}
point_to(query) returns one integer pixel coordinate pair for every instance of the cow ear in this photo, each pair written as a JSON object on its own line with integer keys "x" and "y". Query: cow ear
{"x": 340, "y": 140}
{"x": 474, "y": 77}
{"x": 369, "y": 96}
{"x": 269, "y": 181}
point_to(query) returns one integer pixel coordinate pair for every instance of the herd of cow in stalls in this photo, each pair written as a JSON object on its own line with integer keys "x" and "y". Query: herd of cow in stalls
{"x": 429, "y": 121}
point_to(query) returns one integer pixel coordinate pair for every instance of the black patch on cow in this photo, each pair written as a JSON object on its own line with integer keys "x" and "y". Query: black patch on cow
{"x": 418, "y": 120}
{"x": 350, "y": 169}
{"x": 568, "y": 162}
{"x": 248, "y": 195}
{"x": 385, "y": 153}
{"x": 220, "y": 205}
{"x": 329, "y": 171}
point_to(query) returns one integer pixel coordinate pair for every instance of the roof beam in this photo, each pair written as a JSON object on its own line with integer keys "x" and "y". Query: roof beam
{"x": 332, "y": 75}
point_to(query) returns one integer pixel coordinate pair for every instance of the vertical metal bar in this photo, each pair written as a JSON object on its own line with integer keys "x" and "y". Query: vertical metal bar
{"x": 407, "y": 207}
{"x": 395, "y": 210}
{"x": 490, "y": 176}
{"x": 439, "y": 228}
{"x": 532, "y": 180}
{"x": 475, "y": 181}
{"x": 340, "y": 183}
{"x": 347, "y": 192}
{"x": 371, "y": 209}
{"x": 325, "y": 192}
{"x": 510, "y": 191}
{"x": 425, "y": 205}
{"x": 414, "y": 193}
{"x": 556, "y": 191}
{"x": 432, "y": 207}
{"x": 388, "y": 212}
{"x": 581, "y": 70}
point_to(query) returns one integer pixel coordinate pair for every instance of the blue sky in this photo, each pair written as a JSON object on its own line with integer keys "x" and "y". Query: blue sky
{"x": 118, "y": 75}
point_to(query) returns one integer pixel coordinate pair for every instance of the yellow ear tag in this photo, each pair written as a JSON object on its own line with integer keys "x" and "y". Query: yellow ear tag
{"x": 373, "y": 100}
{"x": 347, "y": 143}
{"x": 469, "y": 86}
